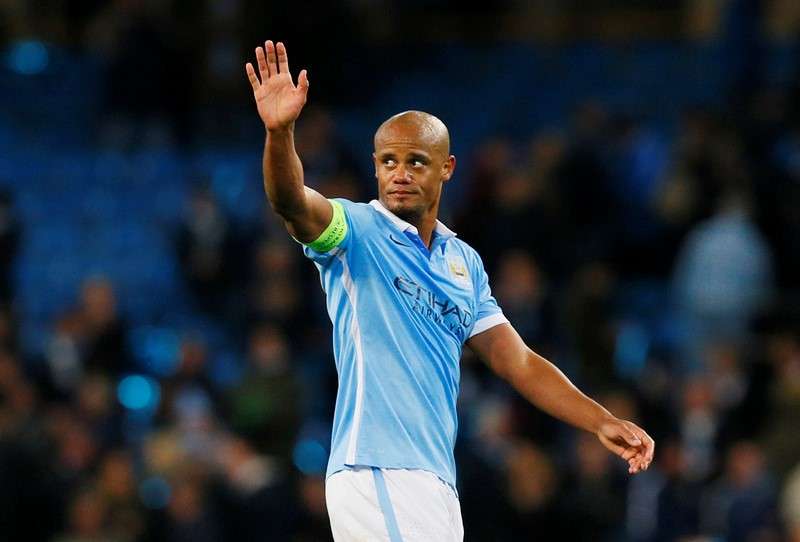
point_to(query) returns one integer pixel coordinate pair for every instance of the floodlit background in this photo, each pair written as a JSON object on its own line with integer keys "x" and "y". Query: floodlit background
{"x": 629, "y": 171}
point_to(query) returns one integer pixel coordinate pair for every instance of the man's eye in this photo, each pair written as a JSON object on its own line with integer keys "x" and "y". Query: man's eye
{"x": 417, "y": 163}
{"x": 389, "y": 162}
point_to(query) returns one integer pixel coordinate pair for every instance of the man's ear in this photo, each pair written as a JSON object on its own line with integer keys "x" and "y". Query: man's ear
{"x": 375, "y": 164}
{"x": 448, "y": 168}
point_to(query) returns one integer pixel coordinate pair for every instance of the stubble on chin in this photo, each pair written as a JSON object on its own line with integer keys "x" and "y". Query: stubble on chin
{"x": 408, "y": 213}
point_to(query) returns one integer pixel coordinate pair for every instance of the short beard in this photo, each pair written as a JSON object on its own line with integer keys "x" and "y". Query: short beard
{"x": 412, "y": 216}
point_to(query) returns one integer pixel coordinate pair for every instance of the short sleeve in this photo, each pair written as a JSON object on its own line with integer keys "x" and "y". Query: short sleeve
{"x": 488, "y": 313}
{"x": 336, "y": 236}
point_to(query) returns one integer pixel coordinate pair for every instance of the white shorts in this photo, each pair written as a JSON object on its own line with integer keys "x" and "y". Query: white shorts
{"x": 366, "y": 504}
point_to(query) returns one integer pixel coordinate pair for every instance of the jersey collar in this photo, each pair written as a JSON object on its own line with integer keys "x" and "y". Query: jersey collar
{"x": 440, "y": 229}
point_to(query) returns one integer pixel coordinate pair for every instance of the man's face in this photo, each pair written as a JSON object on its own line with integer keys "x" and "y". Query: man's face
{"x": 410, "y": 167}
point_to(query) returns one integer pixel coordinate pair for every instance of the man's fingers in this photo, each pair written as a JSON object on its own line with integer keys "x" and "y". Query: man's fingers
{"x": 272, "y": 60}
{"x": 251, "y": 74}
{"x": 644, "y": 452}
{"x": 647, "y": 453}
{"x": 630, "y": 437}
{"x": 620, "y": 432}
{"x": 630, "y": 442}
{"x": 262, "y": 64}
{"x": 629, "y": 453}
{"x": 283, "y": 58}
{"x": 611, "y": 445}
{"x": 648, "y": 444}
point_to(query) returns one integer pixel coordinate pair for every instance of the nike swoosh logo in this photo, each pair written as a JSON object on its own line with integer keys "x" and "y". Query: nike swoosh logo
{"x": 398, "y": 241}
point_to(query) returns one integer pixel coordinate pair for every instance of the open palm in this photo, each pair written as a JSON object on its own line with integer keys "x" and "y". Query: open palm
{"x": 278, "y": 100}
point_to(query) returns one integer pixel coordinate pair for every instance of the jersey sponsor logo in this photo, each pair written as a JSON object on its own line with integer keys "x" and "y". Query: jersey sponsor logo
{"x": 443, "y": 311}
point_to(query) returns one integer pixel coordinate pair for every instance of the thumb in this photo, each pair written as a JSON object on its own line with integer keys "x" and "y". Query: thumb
{"x": 302, "y": 81}
{"x": 629, "y": 436}
{"x": 619, "y": 431}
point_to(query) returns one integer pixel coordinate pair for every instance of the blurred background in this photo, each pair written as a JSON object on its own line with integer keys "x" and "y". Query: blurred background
{"x": 629, "y": 171}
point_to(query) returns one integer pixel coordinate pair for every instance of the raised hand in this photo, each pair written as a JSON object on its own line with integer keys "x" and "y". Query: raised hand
{"x": 278, "y": 100}
{"x": 628, "y": 441}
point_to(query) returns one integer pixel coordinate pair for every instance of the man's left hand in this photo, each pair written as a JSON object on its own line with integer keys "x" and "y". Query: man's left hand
{"x": 628, "y": 441}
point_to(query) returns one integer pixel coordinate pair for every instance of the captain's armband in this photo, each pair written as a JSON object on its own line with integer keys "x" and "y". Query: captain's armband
{"x": 334, "y": 234}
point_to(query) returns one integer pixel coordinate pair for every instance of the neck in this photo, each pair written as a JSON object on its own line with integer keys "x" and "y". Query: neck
{"x": 425, "y": 223}
{"x": 425, "y": 228}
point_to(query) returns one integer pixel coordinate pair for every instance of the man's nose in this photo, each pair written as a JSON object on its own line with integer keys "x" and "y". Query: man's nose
{"x": 402, "y": 175}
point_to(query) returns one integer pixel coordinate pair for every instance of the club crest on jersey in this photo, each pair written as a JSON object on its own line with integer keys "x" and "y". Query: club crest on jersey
{"x": 458, "y": 270}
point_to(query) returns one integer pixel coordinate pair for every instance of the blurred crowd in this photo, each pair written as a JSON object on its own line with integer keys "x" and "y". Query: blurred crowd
{"x": 657, "y": 264}
{"x": 661, "y": 273}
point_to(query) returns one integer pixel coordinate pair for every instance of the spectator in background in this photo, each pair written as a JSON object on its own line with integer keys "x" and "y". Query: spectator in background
{"x": 493, "y": 158}
{"x": 192, "y": 372}
{"x": 323, "y": 154}
{"x": 313, "y": 524}
{"x": 532, "y": 493}
{"x": 88, "y": 518}
{"x": 517, "y": 205}
{"x": 116, "y": 483}
{"x": 191, "y": 401}
{"x": 274, "y": 290}
{"x": 664, "y": 505}
{"x": 696, "y": 151}
{"x": 265, "y": 407}
{"x": 523, "y": 292}
{"x": 585, "y": 186}
{"x": 589, "y": 321}
{"x": 742, "y": 504}
{"x": 518, "y": 217}
{"x": 728, "y": 379}
{"x": 103, "y": 332}
{"x": 63, "y": 356}
{"x": 184, "y": 465}
{"x": 640, "y": 157}
{"x": 594, "y": 493}
{"x": 699, "y": 425}
{"x": 723, "y": 277}
{"x": 256, "y": 494}
{"x": 76, "y": 450}
{"x": 191, "y": 515}
{"x": 94, "y": 404}
{"x": 19, "y": 398}
{"x": 545, "y": 158}
{"x": 206, "y": 249}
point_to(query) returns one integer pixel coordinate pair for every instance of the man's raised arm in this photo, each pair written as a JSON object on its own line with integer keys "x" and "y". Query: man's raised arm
{"x": 541, "y": 383}
{"x": 306, "y": 212}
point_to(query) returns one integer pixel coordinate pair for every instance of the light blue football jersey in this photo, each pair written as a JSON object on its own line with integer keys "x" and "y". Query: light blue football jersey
{"x": 401, "y": 314}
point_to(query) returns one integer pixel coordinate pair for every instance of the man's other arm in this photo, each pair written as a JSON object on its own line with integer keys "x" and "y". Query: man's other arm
{"x": 544, "y": 385}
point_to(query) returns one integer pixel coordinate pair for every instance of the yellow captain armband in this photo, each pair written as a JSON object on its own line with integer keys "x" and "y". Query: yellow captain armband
{"x": 335, "y": 233}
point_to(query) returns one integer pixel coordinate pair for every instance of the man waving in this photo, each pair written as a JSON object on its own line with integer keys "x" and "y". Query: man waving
{"x": 404, "y": 295}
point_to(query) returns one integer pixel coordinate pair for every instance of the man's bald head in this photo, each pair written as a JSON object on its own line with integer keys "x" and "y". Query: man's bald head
{"x": 412, "y": 162}
{"x": 425, "y": 128}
